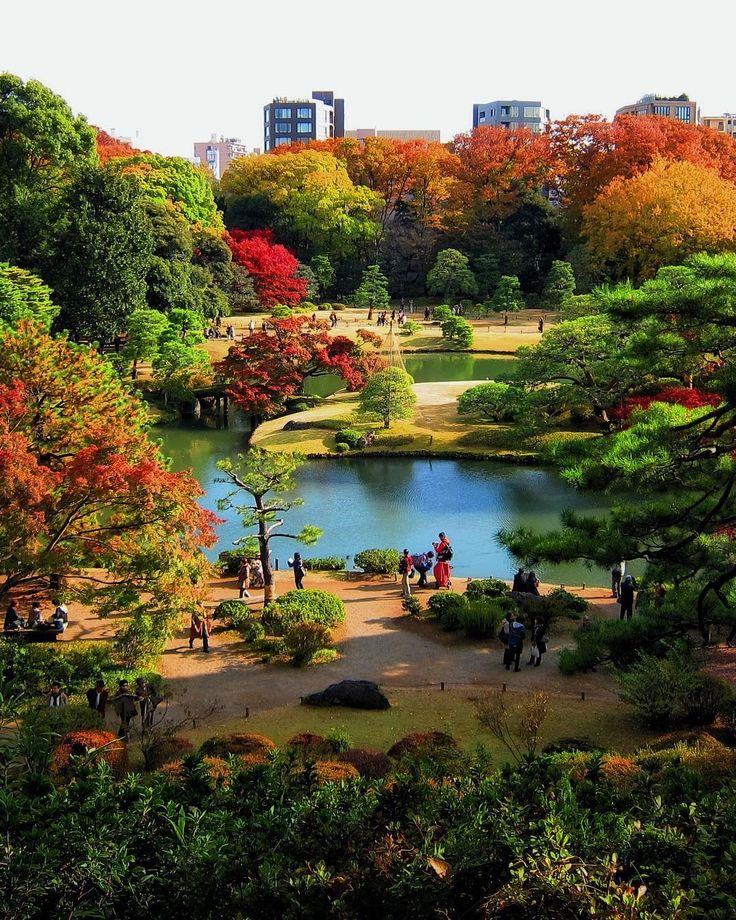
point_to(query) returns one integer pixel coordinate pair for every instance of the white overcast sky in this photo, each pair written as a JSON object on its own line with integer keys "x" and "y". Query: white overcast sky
{"x": 175, "y": 71}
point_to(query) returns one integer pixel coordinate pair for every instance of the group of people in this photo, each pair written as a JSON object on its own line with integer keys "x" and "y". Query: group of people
{"x": 525, "y": 583}
{"x": 127, "y": 703}
{"x": 215, "y": 331}
{"x": 250, "y": 575}
{"x": 436, "y": 560}
{"x": 58, "y": 621}
{"x": 200, "y": 627}
{"x": 512, "y": 634}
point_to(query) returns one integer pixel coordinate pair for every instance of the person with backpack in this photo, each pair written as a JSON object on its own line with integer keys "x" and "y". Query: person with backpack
{"x": 406, "y": 570}
{"x": 626, "y": 597}
{"x": 444, "y": 552}
{"x": 423, "y": 563}
{"x": 513, "y": 633}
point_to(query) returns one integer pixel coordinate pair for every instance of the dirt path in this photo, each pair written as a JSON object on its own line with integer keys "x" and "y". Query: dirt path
{"x": 378, "y": 642}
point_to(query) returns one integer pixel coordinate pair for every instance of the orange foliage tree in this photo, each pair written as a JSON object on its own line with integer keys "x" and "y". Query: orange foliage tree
{"x": 84, "y": 492}
{"x": 659, "y": 218}
{"x": 110, "y": 148}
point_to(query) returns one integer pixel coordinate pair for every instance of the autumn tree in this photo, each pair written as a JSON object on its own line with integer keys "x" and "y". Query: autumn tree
{"x": 267, "y": 368}
{"x": 112, "y": 148}
{"x": 101, "y": 255}
{"x": 451, "y": 276}
{"x": 258, "y": 474}
{"x": 659, "y": 218}
{"x": 388, "y": 396}
{"x": 23, "y": 296}
{"x": 559, "y": 286}
{"x": 373, "y": 289}
{"x": 43, "y": 146}
{"x": 271, "y": 267}
{"x": 85, "y": 493}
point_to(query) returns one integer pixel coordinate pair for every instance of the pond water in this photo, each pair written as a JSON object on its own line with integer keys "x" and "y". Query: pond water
{"x": 362, "y": 503}
{"x": 430, "y": 368}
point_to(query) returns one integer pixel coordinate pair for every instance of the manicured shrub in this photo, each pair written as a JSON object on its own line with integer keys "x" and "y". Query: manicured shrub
{"x": 412, "y": 605}
{"x": 304, "y": 640}
{"x": 325, "y": 564}
{"x": 370, "y": 764}
{"x": 349, "y": 436}
{"x": 334, "y": 771}
{"x": 486, "y": 587}
{"x": 342, "y": 448}
{"x": 234, "y": 613}
{"x": 99, "y": 745}
{"x": 254, "y": 631}
{"x": 309, "y": 746}
{"x": 378, "y": 561}
{"x": 481, "y": 619}
{"x": 620, "y": 772}
{"x": 420, "y": 743}
{"x": 167, "y": 749}
{"x": 307, "y": 606}
{"x": 393, "y": 440}
{"x": 492, "y": 402}
{"x": 447, "y": 606}
{"x": 411, "y": 327}
{"x": 441, "y": 313}
{"x": 237, "y": 743}
{"x": 570, "y": 605}
{"x": 338, "y": 739}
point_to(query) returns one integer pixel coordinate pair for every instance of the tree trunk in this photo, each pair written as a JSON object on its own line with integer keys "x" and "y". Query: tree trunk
{"x": 134, "y": 372}
{"x": 264, "y": 551}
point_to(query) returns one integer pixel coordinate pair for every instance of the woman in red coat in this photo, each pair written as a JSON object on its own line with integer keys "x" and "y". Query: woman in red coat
{"x": 443, "y": 549}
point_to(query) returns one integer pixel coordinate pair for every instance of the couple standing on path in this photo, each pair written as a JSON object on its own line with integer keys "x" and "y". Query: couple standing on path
{"x": 422, "y": 564}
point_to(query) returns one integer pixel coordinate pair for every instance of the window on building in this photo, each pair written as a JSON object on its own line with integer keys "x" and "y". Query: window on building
{"x": 481, "y": 117}
{"x": 304, "y": 127}
{"x": 267, "y": 116}
{"x": 283, "y": 113}
{"x": 305, "y": 112}
{"x": 663, "y": 110}
{"x": 280, "y": 141}
{"x": 531, "y": 111}
{"x": 504, "y": 111}
{"x": 283, "y": 127}
{"x": 514, "y": 112}
{"x": 682, "y": 112}
{"x": 492, "y": 113}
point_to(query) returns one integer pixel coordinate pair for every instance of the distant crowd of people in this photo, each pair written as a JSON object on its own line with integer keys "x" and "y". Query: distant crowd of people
{"x": 142, "y": 700}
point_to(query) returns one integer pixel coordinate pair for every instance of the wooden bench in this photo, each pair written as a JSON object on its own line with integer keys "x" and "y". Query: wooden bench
{"x": 32, "y": 635}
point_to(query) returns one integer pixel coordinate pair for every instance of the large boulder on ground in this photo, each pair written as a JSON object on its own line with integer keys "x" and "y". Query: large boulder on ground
{"x": 358, "y": 694}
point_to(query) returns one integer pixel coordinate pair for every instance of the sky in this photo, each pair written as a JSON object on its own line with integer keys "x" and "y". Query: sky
{"x": 170, "y": 72}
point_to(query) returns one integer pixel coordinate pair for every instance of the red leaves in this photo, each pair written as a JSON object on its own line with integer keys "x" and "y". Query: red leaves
{"x": 271, "y": 266}
{"x": 683, "y": 396}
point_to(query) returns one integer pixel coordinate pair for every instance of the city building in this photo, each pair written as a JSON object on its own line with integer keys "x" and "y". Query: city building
{"x": 218, "y": 153}
{"x": 293, "y": 121}
{"x": 680, "y": 108}
{"x": 400, "y": 134}
{"x": 511, "y": 113}
{"x": 725, "y": 123}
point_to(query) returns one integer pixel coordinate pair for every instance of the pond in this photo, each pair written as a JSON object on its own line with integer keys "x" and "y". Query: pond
{"x": 362, "y": 503}
{"x": 430, "y": 368}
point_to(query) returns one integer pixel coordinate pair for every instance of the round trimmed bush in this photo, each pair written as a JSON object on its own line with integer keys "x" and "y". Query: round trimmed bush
{"x": 349, "y": 436}
{"x": 378, "y": 561}
{"x": 447, "y": 607}
{"x": 486, "y": 587}
{"x": 325, "y": 564}
{"x": 237, "y": 743}
{"x": 253, "y": 632}
{"x": 304, "y": 640}
{"x": 342, "y": 448}
{"x": 370, "y": 764}
{"x": 307, "y": 606}
{"x": 101, "y": 745}
{"x": 420, "y": 743}
{"x": 235, "y": 613}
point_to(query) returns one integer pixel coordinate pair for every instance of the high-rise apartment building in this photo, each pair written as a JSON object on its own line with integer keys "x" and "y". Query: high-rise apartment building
{"x": 400, "y": 134}
{"x": 293, "y": 121}
{"x": 511, "y": 113}
{"x": 218, "y": 153}
{"x": 679, "y": 108}
{"x": 725, "y": 123}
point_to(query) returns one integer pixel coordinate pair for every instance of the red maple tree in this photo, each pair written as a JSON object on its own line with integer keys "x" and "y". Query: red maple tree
{"x": 690, "y": 398}
{"x": 271, "y": 266}
{"x": 110, "y": 148}
{"x": 267, "y": 368}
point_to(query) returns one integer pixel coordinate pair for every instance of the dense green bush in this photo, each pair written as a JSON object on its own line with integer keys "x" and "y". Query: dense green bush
{"x": 672, "y": 691}
{"x": 481, "y": 619}
{"x": 486, "y": 587}
{"x": 447, "y": 606}
{"x": 393, "y": 440}
{"x": 616, "y": 640}
{"x": 492, "y": 402}
{"x": 29, "y": 669}
{"x": 253, "y": 631}
{"x": 569, "y": 604}
{"x": 349, "y": 436}
{"x": 307, "y": 606}
{"x": 325, "y": 563}
{"x": 234, "y": 613}
{"x": 411, "y": 327}
{"x": 378, "y": 561}
{"x": 342, "y": 448}
{"x": 304, "y": 640}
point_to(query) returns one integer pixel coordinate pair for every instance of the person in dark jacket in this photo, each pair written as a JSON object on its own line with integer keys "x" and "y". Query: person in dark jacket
{"x": 97, "y": 697}
{"x": 627, "y": 597}
{"x": 12, "y": 617}
{"x": 297, "y": 564}
{"x": 519, "y": 582}
{"x": 513, "y": 633}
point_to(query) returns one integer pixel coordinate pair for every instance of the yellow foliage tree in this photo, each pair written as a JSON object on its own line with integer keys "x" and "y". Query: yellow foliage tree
{"x": 660, "y": 217}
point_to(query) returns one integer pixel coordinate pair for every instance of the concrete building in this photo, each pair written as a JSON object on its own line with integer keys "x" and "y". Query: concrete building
{"x": 218, "y": 153}
{"x": 399, "y": 135}
{"x": 511, "y": 113}
{"x": 725, "y": 123}
{"x": 293, "y": 121}
{"x": 679, "y": 108}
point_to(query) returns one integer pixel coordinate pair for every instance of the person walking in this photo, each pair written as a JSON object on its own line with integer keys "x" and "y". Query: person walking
{"x": 97, "y": 697}
{"x": 406, "y": 570}
{"x": 199, "y": 628}
{"x": 297, "y": 564}
{"x": 514, "y": 636}
{"x": 124, "y": 704}
{"x": 57, "y": 697}
{"x": 442, "y": 570}
{"x": 539, "y": 643}
{"x": 244, "y": 577}
{"x": 540, "y": 325}
{"x": 142, "y": 700}
{"x": 627, "y": 597}
{"x": 427, "y": 314}
{"x": 252, "y": 327}
{"x": 617, "y": 571}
